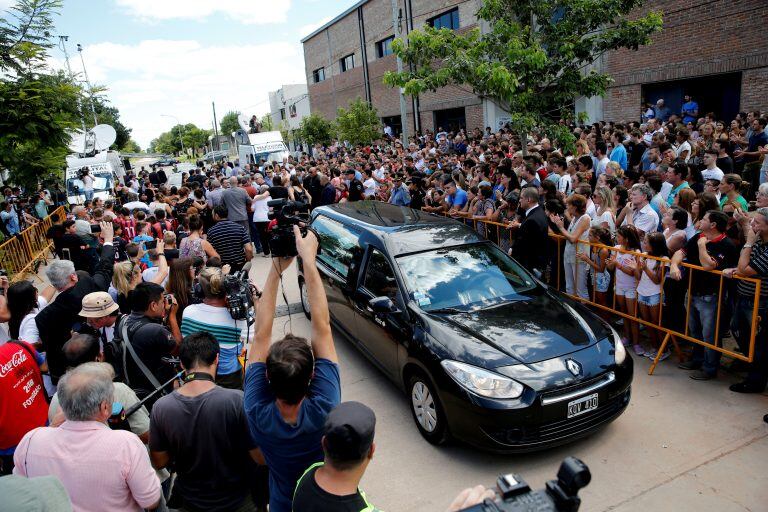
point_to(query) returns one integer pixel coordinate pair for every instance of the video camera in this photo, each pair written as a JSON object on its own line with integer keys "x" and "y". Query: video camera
{"x": 240, "y": 293}
{"x": 561, "y": 495}
{"x": 287, "y": 213}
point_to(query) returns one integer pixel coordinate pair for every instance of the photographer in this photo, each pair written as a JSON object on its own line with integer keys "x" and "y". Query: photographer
{"x": 291, "y": 385}
{"x": 201, "y": 431}
{"x": 213, "y": 316}
{"x": 9, "y": 219}
{"x": 150, "y": 339}
{"x": 57, "y": 319}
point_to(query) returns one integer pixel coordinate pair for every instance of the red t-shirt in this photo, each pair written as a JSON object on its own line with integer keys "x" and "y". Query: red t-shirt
{"x": 23, "y": 406}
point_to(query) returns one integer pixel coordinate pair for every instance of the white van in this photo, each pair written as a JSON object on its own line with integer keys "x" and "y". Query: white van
{"x": 106, "y": 168}
{"x": 266, "y": 146}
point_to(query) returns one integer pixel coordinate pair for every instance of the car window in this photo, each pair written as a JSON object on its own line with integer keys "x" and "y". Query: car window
{"x": 337, "y": 244}
{"x": 379, "y": 276}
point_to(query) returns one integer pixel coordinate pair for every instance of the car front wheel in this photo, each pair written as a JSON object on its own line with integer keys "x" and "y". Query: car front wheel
{"x": 304, "y": 298}
{"x": 427, "y": 411}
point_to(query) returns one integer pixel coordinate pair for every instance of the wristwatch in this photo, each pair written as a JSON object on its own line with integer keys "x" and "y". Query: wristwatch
{"x": 747, "y": 246}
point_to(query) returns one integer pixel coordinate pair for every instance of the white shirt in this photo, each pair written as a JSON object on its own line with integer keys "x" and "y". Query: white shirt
{"x": 645, "y": 219}
{"x": 680, "y": 148}
{"x": 591, "y": 210}
{"x": 713, "y": 174}
{"x": 150, "y": 273}
{"x": 564, "y": 184}
{"x": 88, "y": 182}
{"x": 601, "y": 165}
{"x": 136, "y": 204}
{"x": 28, "y": 329}
{"x": 260, "y": 209}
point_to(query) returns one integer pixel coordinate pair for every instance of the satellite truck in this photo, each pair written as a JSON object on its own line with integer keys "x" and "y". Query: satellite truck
{"x": 253, "y": 148}
{"x": 91, "y": 149}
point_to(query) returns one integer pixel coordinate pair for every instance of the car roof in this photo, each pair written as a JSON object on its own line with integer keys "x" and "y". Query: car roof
{"x": 401, "y": 229}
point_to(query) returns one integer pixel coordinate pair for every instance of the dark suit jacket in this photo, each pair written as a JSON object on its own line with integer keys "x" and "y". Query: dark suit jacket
{"x": 55, "y": 321}
{"x": 531, "y": 240}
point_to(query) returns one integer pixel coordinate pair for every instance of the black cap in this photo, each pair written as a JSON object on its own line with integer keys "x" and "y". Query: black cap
{"x": 349, "y": 431}
{"x": 350, "y": 171}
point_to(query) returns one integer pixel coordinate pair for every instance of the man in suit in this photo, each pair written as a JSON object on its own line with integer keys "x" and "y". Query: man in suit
{"x": 531, "y": 237}
{"x": 55, "y": 321}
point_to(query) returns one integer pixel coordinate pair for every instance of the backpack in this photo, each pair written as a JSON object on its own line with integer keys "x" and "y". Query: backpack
{"x": 119, "y": 349}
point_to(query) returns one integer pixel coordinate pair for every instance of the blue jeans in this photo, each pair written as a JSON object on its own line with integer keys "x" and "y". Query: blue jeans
{"x": 701, "y": 325}
{"x": 88, "y": 194}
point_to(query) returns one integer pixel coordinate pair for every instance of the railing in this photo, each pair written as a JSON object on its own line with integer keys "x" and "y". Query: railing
{"x": 22, "y": 253}
{"x": 503, "y": 236}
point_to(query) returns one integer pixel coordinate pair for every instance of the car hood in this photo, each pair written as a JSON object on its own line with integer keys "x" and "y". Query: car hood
{"x": 532, "y": 329}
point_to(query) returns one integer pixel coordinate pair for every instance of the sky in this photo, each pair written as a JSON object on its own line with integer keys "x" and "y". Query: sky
{"x": 162, "y": 58}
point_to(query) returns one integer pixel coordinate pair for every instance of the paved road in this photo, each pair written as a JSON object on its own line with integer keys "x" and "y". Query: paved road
{"x": 681, "y": 445}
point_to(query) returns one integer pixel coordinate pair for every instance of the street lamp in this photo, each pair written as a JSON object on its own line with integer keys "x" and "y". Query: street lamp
{"x": 180, "y": 129}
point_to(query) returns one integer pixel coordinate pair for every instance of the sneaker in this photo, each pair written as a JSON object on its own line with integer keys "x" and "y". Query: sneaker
{"x": 639, "y": 349}
{"x": 689, "y": 365}
{"x": 702, "y": 375}
{"x": 650, "y": 353}
{"x": 664, "y": 355}
{"x": 746, "y": 387}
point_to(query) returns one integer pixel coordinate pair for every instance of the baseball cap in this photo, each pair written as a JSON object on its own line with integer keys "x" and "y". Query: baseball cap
{"x": 97, "y": 305}
{"x": 349, "y": 431}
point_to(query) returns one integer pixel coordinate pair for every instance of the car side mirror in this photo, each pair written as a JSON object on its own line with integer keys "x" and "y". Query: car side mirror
{"x": 383, "y": 305}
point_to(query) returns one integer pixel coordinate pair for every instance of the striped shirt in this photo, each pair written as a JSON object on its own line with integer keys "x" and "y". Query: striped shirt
{"x": 217, "y": 321}
{"x": 758, "y": 260}
{"x": 229, "y": 239}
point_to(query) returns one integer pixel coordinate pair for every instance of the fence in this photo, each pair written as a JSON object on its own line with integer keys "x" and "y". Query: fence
{"x": 24, "y": 252}
{"x": 504, "y": 236}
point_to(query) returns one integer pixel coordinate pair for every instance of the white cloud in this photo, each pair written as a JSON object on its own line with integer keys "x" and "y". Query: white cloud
{"x": 305, "y": 30}
{"x": 254, "y": 12}
{"x": 182, "y": 77}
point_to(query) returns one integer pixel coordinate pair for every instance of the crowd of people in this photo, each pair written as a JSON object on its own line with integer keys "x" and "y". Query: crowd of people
{"x": 135, "y": 330}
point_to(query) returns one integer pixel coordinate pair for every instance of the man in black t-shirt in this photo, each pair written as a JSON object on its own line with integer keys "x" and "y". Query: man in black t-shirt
{"x": 332, "y": 485}
{"x": 712, "y": 250}
{"x": 202, "y": 432}
{"x": 355, "y": 187}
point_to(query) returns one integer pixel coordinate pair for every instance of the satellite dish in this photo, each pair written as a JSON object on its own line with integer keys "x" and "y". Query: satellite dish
{"x": 243, "y": 122}
{"x": 104, "y": 136}
{"x": 77, "y": 144}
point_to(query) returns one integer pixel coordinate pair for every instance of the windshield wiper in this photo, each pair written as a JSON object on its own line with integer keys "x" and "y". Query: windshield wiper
{"x": 448, "y": 311}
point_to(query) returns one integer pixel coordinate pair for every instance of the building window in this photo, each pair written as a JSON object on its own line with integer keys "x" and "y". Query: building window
{"x": 282, "y": 114}
{"x": 318, "y": 75}
{"x": 347, "y": 63}
{"x": 384, "y": 47}
{"x": 449, "y": 19}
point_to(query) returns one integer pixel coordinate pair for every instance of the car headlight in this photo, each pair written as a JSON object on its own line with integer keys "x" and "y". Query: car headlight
{"x": 482, "y": 382}
{"x": 620, "y": 353}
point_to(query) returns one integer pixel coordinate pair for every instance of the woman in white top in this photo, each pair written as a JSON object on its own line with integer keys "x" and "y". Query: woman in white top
{"x": 24, "y": 303}
{"x": 605, "y": 216}
{"x": 261, "y": 217}
{"x": 674, "y": 223}
{"x": 576, "y": 238}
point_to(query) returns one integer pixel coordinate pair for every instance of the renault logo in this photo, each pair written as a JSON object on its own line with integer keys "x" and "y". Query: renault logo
{"x": 573, "y": 367}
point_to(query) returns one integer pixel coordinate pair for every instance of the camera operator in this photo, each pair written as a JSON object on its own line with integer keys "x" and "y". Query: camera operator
{"x": 57, "y": 319}
{"x": 101, "y": 469}
{"x": 291, "y": 385}
{"x": 201, "y": 431}
{"x": 150, "y": 339}
{"x": 333, "y": 485}
{"x": 213, "y": 316}
{"x": 87, "y": 179}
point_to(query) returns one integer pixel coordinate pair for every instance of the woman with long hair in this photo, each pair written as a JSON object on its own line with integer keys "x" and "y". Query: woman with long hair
{"x": 24, "y": 303}
{"x": 297, "y": 192}
{"x": 127, "y": 275}
{"x": 730, "y": 191}
{"x": 195, "y": 244}
{"x": 181, "y": 280}
{"x": 705, "y": 202}
{"x": 576, "y": 236}
{"x": 674, "y": 222}
{"x": 605, "y": 216}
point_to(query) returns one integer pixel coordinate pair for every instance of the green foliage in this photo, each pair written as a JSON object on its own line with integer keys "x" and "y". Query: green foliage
{"x": 358, "y": 124}
{"x": 131, "y": 147}
{"x": 170, "y": 142}
{"x": 229, "y": 123}
{"x": 25, "y": 33}
{"x": 267, "y": 125}
{"x": 314, "y": 129}
{"x": 534, "y": 59}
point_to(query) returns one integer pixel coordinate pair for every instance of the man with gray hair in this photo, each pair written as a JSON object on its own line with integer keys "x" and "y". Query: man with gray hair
{"x": 56, "y": 320}
{"x": 639, "y": 212}
{"x": 237, "y": 200}
{"x": 101, "y": 469}
{"x": 214, "y": 195}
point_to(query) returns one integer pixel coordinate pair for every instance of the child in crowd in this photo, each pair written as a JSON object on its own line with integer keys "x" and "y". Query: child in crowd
{"x": 624, "y": 266}
{"x": 649, "y": 288}
{"x": 598, "y": 263}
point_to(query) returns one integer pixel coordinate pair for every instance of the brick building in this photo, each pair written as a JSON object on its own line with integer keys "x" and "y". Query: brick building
{"x": 712, "y": 49}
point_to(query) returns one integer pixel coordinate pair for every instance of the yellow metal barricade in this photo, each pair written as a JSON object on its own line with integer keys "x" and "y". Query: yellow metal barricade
{"x": 21, "y": 254}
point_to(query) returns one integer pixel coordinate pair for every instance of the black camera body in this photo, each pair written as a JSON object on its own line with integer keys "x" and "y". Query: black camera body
{"x": 561, "y": 495}
{"x": 239, "y": 292}
{"x": 282, "y": 241}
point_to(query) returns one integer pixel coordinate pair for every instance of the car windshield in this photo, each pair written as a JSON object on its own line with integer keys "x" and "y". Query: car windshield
{"x": 101, "y": 182}
{"x": 465, "y": 278}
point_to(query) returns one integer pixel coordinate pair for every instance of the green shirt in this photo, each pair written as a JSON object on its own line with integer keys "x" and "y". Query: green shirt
{"x": 739, "y": 199}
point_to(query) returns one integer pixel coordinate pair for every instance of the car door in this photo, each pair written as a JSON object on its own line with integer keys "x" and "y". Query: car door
{"x": 379, "y": 332}
{"x": 339, "y": 247}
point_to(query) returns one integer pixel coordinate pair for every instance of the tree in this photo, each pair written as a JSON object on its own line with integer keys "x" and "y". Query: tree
{"x": 315, "y": 129}
{"x": 229, "y": 123}
{"x": 359, "y": 124}
{"x": 195, "y": 137}
{"x": 267, "y": 125}
{"x": 170, "y": 142}
{"x": 131, "y": 147}
{"x": 534, "y": 59}
{"x": 25, "y": 35}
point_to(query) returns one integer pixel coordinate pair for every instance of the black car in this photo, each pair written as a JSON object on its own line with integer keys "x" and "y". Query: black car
{"x": 487, "y": 353}
{"x": 166, "y": 161}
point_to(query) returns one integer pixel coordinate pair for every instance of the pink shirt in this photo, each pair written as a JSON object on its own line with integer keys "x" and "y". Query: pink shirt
{"x": 101, "y": 469}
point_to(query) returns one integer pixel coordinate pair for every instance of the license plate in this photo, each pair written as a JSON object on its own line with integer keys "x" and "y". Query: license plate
{"x": 581, "y": 405}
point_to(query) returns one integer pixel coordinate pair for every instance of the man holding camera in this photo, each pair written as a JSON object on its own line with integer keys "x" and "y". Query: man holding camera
{"x": 291, "y": 385}
{"x": 213, "y": 316}
{"x": 151, "y": 341}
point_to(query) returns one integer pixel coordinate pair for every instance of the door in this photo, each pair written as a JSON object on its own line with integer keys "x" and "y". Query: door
{"x": 338, "y": 248}
{"x": 379, "y": 332}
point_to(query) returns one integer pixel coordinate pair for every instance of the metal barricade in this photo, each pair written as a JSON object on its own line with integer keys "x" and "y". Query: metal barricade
{"x": 504, "y": 233}
{"x": 22, "y": 253}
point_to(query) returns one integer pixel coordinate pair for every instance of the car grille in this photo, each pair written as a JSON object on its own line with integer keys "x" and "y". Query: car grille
{"x": 552, "y": 431}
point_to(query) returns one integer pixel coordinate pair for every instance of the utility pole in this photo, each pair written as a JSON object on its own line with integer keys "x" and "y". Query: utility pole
{"x": 215, "y": 127}
{"x": 63, "y": 44}
{"x": 88, "y": 83}
{"x": 396, "y": 27}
